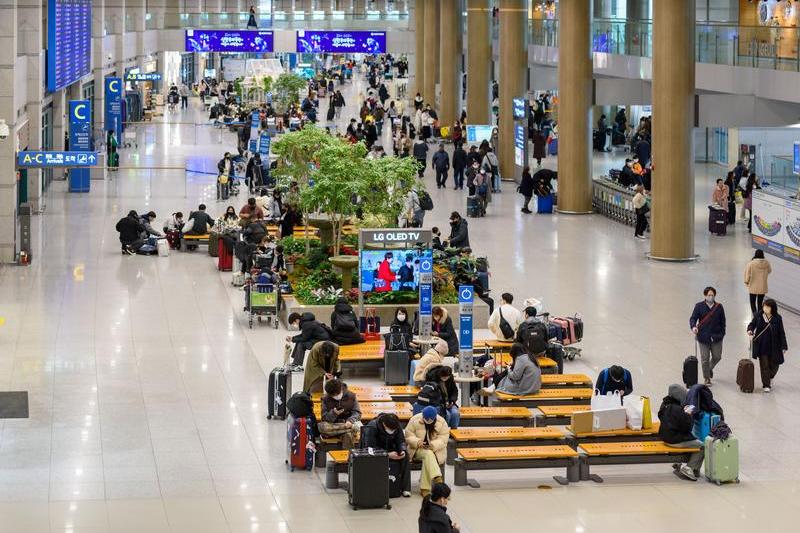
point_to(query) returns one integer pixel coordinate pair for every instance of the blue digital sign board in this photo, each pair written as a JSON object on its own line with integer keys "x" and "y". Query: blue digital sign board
{"x": 520, "y": 111}
{"x": 341, "y": 42}
{"x": 69, "y": 42}
{"x": 38, "y": 159}
{"x": 229, "y": 41}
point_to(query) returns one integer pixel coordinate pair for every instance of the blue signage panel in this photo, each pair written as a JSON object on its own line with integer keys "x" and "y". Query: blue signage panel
{"x": 143, "y": 76}
{"x": 80, "y": 138}
{"x": 465, "y": 296}
{"x": 263, "y": 146}
{"x": 519, "y": 109}
{"x": 519, "y": 136}
{"x": 37, "y": 159}
{"x": 69, "y": 42}
{"x": 229, "y": 41}
{"x": 426, "y": 286}
{"x": 113, "y": 109}
{"x": 479, "y": 133}
{"x": 341, "y": 42}
{"x": 796, "y": 162}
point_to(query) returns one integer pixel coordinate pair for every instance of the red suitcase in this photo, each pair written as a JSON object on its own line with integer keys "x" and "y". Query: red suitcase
{"x": 174, "y": 239}
{"x": 299, "y": 436}
{"x": 225, "y": 258}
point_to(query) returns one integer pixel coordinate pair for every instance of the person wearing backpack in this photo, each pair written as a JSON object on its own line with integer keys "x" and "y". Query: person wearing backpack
{"x": 708, "y": 325}
{"x": 344, "y": 324}
{"x": 532, "y": 333}
{"x": 769, "y": 341}
{"x": 439, "y": 390}
{"x": 505, "y": 320}
{"x": 614, "y": 379}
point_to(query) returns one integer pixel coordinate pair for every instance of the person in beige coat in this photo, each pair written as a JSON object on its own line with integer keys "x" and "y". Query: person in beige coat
{"x": 426, "y": 437}
{"x": 755, "y": 279}
{"x": 434, "y": 356}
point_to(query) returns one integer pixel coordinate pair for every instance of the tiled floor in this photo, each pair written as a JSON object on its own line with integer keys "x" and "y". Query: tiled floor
{"x": 148, "y": 391}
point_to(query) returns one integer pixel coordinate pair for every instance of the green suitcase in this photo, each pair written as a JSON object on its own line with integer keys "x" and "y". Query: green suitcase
{"x": 722, "y": 460}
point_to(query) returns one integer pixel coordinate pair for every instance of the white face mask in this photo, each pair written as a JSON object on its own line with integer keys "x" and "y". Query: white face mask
{"x": 710, "y": 299}
{"x": 389, "y": 431}
{"x": 338, "y": 397}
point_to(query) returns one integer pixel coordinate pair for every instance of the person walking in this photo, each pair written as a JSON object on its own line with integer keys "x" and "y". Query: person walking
{"x": 338, "y": 104}
{"x": 441, "y": 164}
{"x": 539, "y": 146}
{"x": 708, "y": 325}
{"x": 755, "y": 279}
{"x": 251, "y": 19}
{"x": 526, "y": 189}
{"x": 768, "y": 339}
{"x": 459, "y": 164}
{"x": 420, "y": 152}
{"x": 641, "y": 208}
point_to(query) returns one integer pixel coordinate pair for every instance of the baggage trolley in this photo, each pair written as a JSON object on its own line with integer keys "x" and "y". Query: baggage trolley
{"x": 262, "y": 300}
{"x": 568, "y": 345}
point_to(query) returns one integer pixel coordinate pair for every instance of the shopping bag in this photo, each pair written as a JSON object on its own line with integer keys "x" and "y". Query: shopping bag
{"x": 609, "y": 401}
{"x": 634, "y": 407}
{"x": 647, "y": 413}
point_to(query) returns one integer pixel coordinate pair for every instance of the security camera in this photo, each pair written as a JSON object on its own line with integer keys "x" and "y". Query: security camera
{"x": 4, "y": 130}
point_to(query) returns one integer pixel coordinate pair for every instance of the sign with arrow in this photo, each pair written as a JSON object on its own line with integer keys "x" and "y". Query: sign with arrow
{"x": 38, "y": 159}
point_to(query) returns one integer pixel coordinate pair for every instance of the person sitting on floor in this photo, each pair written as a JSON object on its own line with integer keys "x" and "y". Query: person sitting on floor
{"x": 385, "y": 433}
{"x": 613, "y": 379}
{"x": 130, "y": 230}
{"x": 426, "y": 436}
{"x": 434, "y": 356}
{"x": 524, "y": 376}
{"x": 311, "y": 332}
{"x": 676, "y": 430}
{"x": 323, "y": 364}
{"x": 341, "y": 414}
{"x": 344, "y": 324}
{"x": 147, "y": 223}
{"x": 441, "y": 392}
{"x": 508, "y": 313}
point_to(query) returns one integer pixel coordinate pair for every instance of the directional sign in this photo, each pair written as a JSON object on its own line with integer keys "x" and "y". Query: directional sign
{"x": 263, "y": 145}
{"x": 37, "y": 159}
{"x": 113, "y": 109}
{"x": 143, "y": 76}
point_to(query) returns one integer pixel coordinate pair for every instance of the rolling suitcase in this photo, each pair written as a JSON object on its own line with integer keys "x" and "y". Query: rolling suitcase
{"x": 300, "y": 443}
{"x": 368, "y": 484}
{"x": 213, "y": 244}
{"x": 278, "y": 391}
{"x": 717, "y": 221}
{"x": 552, "y": 148}
{"x": 544, "y": 204}
{"x": 721, "y": 463}
{"x": 745, "y": 375}
{"x": 173, "y": 238}
{"x": 395, "y": 367}
{"x": 690, "y": 369}
{"x": 225, "y": 258}
{"x": 473, "y": 207}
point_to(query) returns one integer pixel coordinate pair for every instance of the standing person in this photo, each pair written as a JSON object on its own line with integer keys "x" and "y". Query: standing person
{"x": 755, "y": 279}
{"x": 459, "y": 164}
{"x": 420, "y": 151}
{"x": 385, "y": 433}
{"x": 641, "y": 208}
{"x": 708, "y": 325}
{"x": 251, "y": 19}
{"x": 676, "y": 430}
{"x": 184, "y": 92}
{"x": 769, "y": 341}
{"x": 472, "y": 173}
{"x": 418, "y": 102}
{"x": 526, "y": 189}
{"x": 441, "y": 164}
{"x": 730, "y": 184}
{"x": 539, "y": 146}
{"x": 752, "y": 185}
{"x": 426, "y": 435}
{"x": 338, "y": 104}
{"x": 508, "y": 313}
{"x": 459, "y": 232}
{"x": 492, "y": 167}
{"x": 433, "y": 516}
{"x": 341, "y": 414}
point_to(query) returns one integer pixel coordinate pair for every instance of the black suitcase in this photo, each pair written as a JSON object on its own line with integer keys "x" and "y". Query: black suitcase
{"x": 473, "y": 207}
{"x": 278, "y": 391}
{"x": 745, "y": 375}
{"x": 717, "y": 221}
{"x": 690, "y": 371}
{"x": 368, "y": 484}
{"x": 731, "y": 213}
{"x": 395, "y": 367}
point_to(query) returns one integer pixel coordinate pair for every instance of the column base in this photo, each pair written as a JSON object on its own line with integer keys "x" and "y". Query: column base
{"x": 673, "y": 259}
{"x": 564, "y": 212}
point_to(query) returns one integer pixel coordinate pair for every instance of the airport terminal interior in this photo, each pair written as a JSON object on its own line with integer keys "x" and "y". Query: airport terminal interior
{"x": 627, "y": 154}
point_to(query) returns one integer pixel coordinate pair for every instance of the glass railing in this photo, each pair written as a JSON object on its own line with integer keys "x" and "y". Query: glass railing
{"x": 374, "y": 20}
{"x": 721, "y": 44}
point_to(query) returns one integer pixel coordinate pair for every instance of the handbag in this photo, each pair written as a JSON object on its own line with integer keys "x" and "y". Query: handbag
{"x": 505, "y": 327}
{"x": 223, "y": 179}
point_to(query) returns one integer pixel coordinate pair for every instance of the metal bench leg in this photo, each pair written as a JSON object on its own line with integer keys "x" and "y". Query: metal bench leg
{"x": 451, "y": 451}
{"x": 586, "y": 474}
{"x": 459, "y": 473}
{"x": 331, "y": 476}
{"x": 320, "y": 456}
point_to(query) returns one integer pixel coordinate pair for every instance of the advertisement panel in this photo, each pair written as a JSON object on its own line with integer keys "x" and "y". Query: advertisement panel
{"x": 776, "y": 225}
{"x": 257, "y": 41}
{"x": 476, "y": 134}
{"x": 341, "y": 42}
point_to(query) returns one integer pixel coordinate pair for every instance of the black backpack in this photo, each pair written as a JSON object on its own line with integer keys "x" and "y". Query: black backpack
{"x": 534, "y": 337}
{"x": 505, "y": 327}
{"x": 425, "y": 201}
{"x": 300, "y": 405}
{"x": 429, "y": 394}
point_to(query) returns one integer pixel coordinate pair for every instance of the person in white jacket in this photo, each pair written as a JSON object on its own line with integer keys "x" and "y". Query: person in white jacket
{"x": 511, "y": 314}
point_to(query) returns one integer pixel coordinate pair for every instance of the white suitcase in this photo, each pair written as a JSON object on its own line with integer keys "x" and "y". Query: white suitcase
{"x": 163, "y": 248}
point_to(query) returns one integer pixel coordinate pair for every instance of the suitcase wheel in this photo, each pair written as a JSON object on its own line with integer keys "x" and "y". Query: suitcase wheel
{"x": 388, "y": 506}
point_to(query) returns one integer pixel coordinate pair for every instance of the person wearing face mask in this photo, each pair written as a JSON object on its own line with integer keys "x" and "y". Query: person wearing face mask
{"x": 225, "y": 170}
{"x": 459, "y": 232}
{"x": 341, "y": 414}
{"x": 614, "y": 379}
{"x": 230, "y": 220}
{"x": 708, "y": 325}
{"x": 433, "y": 514}
{"x": 384, "y": 433}
{"x": 426, "y": 436}
{"x": 769, "y": 341}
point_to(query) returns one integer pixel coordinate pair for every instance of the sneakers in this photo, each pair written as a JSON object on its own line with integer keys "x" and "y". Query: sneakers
{"x": 406, "y": 494}
{"x": 707, "y": 382}
{"x": 526, "y": 210}
{"x": 486, "y": 391}
{"x": 642, "y": 237}
{"x": 767, "y": 389}
{"x": 686, "y": 472}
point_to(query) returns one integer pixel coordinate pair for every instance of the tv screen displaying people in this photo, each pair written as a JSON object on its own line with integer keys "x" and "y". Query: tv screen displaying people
{"x": 391, "y": 270}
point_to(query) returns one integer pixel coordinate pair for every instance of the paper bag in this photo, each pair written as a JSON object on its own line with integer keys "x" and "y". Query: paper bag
{"x": 638, "y": 410}
{"x": 609, "y": 401}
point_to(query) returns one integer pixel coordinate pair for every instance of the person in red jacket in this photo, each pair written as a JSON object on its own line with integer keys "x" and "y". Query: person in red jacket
{"x": 385, "y": 274}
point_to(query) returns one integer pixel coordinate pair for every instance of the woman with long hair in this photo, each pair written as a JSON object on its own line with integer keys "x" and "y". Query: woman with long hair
{"x": 433, "y": 516}
{"x": 769, "y": 341}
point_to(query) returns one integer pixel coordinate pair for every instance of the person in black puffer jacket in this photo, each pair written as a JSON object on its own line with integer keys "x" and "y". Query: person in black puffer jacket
{"x": 440, "y": 391}
{"x": 676, "y": 430}
{"x": 344, "y": 324}
{"x": 130, "y": 230}
{"x": 433, "y": 516}
{"x": 311, "y": 332}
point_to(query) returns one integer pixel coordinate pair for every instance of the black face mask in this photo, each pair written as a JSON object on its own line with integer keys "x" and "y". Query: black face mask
{"x": 453, "y": 222}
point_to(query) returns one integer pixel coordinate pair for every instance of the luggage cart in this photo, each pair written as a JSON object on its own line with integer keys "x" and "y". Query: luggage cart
{"x": 262, "y": 300}
{"x": 129, "y": 139}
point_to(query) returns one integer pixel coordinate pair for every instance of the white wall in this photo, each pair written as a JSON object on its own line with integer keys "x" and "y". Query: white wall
{"x": 769, "y": 142}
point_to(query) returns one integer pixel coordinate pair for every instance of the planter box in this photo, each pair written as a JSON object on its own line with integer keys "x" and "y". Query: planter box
{"x": 480, "y": 311}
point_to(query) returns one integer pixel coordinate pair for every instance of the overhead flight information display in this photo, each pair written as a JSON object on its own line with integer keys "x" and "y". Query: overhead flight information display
{"x": 69, "y": 42}
{"x": 229, "y": 41}
{"x": 341, "y": 42}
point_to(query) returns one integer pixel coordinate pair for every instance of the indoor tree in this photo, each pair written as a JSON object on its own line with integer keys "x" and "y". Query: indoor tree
{"x": 287, "y": 89}
{"x": 384, "y": 186}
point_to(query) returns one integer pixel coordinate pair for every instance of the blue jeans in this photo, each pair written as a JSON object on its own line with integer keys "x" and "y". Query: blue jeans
{"x": 414, "y": 363}
{"x": 451, "y": 415}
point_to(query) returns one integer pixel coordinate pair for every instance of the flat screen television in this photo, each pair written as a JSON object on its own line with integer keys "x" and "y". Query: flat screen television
{"x": 391, "y": 270}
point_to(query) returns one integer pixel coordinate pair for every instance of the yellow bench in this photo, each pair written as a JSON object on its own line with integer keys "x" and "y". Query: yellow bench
{"x": 626, "y": 453}
{"x": 566, "y": 381}
{"x": 548, "y": 397}
{"x": 369, "y": 353}
{"x": 495, "y": 416}
{"x": 514, "y": 458}
{"x": 336, "y": 463}
{"x": 483, "y": 437}
{"x": 615, "y": 435}
{"x": 557, "y": 415}
{"x": 188, "y": 239}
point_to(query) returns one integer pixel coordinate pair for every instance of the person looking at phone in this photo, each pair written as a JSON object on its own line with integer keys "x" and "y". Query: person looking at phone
{"x": 385, "y": 433}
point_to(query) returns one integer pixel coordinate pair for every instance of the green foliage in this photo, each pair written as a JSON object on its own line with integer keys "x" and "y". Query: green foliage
{"x": 316, "y": 258}
{"x": 266, "y": 83}
{"x": 384, "y": 185}
{"x": 287, "y": 89}
{"x": 293, "y": 246}
{"x": 394, "y": 297}
{"x": 297, "y": 154}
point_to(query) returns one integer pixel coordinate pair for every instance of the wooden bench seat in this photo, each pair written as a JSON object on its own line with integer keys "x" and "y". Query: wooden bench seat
{"x": 367, "y": 354}
{"x": 379, "y": 393}
{"x": 370, "y": 410}
{"x": 615, "y": 435}
{"x": 555, "y": 415}
{"x": 626, "y": 453}
{"x": 495, "y": 416}
{"x": 548, "y": 397}
{"x": 188, "y": 239}
{"x": 566, "y": 381}
{"x": 362, "y": 396}
{"x": 487, "y": 437}
{"x": 514, "y": 458}
{"x": 336, "y": 464}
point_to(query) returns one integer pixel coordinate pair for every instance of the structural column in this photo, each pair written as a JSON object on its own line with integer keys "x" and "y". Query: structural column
{"x": 673, "y": 120}
{"x": 419, "y": 47}
{"x": 479, "y": 62}
{"x": 513, "y": 74}
{"x": 431, "y": 50}
{"x": 8, "y": 146}
{"x": 575, "y": 106}
{"x": 450, "y": 52}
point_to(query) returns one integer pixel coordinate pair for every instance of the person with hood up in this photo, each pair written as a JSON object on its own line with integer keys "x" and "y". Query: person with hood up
{"x": 385, "y": 433}
{"x": 311, "y": 332}
{"x": 676, "y": 430}
{"x": 341, "y": 414}
{"x": 426, "y": 436}
{"x": 323, "y": 364}
{"x": 434, "y": 356}
{"x": 344, "y": 324}
{"x": 433, "y": 514}
{"x": 442, "y": 327}
{"x": 130, "y": 230}
{"x": 755, "y": 279}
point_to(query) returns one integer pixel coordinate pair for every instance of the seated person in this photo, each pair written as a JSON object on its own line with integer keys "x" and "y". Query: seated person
{"x": 441, "y": 392}
{"x": 676, "y": 430}
{"x": 434, "y": 356}
{"x": 385, "y": 433}
{"x": 230, "y": 220}
{"x": 523, "y": 377}
{"x": 147, "y": 223}
{"x": 401, "y": 323}
{"x": 614, "y": 378}
{"x": 250, "y": 212}
{"x": 442, "y": 327}
{"x": 344, "y": 324}
{"x": 199, "y": 222}
{"x": 173, "y": 223}
{"x": 311, "y": 332}
{"x": 323, "y": 364}
{"x": 426, "y": 437}
{"x": 508, "y": 313}
{"x": 130, "y": 230}
{"x": 436, "y": 241}
{"x": 341, "y": 414}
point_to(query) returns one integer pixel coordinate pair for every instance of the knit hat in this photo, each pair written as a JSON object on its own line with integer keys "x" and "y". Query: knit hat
{"x": 429, "y": 413}
{"x": 677, "y": 392}
{"x": 442, "y": 347}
